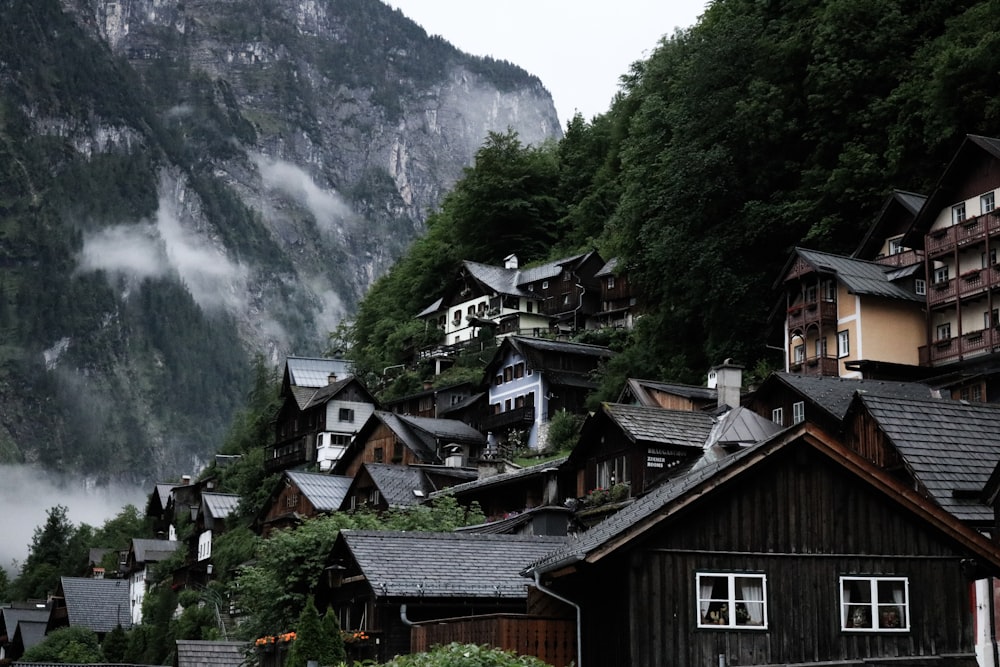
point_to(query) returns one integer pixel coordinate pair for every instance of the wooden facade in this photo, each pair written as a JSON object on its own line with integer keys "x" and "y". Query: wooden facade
{"x": 552, "y": 640}
{"x": 803, "y": 522}
{"x": 381, "y": 445}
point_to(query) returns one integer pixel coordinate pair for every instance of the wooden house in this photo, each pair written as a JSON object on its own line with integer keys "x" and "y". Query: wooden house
{"x": 11, "y": 617}
{"x": 791, "y": 398}
{"x": 320, "y": 413}
{"x": 531, "y": 379}
{"x": 432, "y": 402}
{"x": 301, "y": 495}
{"x": 619, "y": 305}
{"x": 667, "y": 395}
{"x": 883, "y": 242}
{"x": 403, "y": 440}
{"x": 99, "y": 605}
{"x": 142, "y": 555}
{"x": 794, "y": 551}
{"x": 382, "y": 486}
{"x": 387, "y": 580}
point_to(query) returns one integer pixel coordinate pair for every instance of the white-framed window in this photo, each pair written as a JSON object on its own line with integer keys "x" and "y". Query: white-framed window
{"x": 987, "y": 202}
{"x": 800, "y": 353}
{"x": 920, "y": 286}
{"x": 613, "y": 471}
{"x": 896, "y": 245}
{"x": 798, "y": 412}
{"x": 990, "y": 259}
{"x": 821, "y": 347}
{"x": 843, "y": 343}
{"x": 958, "y": 213}
{"x": 778, "y": 416}
{"x": 346, "y": 415}
{"x": 943, "y": 331}
{"x": 611, "y": 282}
{"x": 829, "y": 290}
{"x": 875, "y": 604}
{"x": 545, "y": 284}
{"x": 941, "y": 274}
{"x": 732, "y": 600}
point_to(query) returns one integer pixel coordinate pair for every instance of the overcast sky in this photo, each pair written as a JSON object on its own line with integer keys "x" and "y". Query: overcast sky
{"x": 578, "y": 48}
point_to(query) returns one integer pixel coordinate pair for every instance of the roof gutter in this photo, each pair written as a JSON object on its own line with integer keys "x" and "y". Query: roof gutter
{"x": 579, "y": 635}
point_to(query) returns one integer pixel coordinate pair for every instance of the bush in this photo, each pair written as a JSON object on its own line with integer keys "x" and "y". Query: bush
{"x": 465, "y": 655}
{"x": 564, "y": 430}
{"x": 74, "y": 644}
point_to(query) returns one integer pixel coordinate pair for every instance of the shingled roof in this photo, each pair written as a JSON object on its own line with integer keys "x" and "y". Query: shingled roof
{"x": 10, "y": 617}
{"x": 501, "y": 478}
{"x": 97, "y": 604}
{"x": 152, "y": 551}
{"x": 949, "y": 447}
{"x": 445, "y": 565}
{"x": 834, "y": 394}
{"x": 198, "y": 653}
{"x": 220, "y": 505}
{"x": 400, "y": 486}
{"x": 324, "y": 492}
{"x": 676, "y": 428}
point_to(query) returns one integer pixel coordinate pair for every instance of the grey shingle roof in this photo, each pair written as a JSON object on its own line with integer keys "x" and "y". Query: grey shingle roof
{"x": 398, "y": 483}
{"x": 220, "y": 505}
{"x": 153, "y": 551}
{"x": 431, "y": 309}
{"x": 549, "y": 270}
{"x": 97, "y": 604}
{"x": 328, "y": 391}
{"x": 314, "y": 372}
{"x": 947, "y": 445}
{"x": 449, "y": 430}
{"x": 420, "y": 442}
{"x": 440, "y": 565}
{"x": 608, "y": 268}
{"x": 197, "y": 653}
{"x": 502, "y": 478}
{"x": 834, "y": 394}
{"x": 9, "y": 618}
{"x": 325, "y": 492}
{"x": 497, "y": 278}
{"x": 550, "y": 345}
{"x": 31, "y": 633}
{"x": 860, "y": 276}
{"x": 676, "y": 428}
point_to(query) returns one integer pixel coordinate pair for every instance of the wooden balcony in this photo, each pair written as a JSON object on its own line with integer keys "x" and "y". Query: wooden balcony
{"x": 552, "y": 640}
{"x": 287, "y": 454}
{"x": 956, "y": 348}
{"x": 968, "y": 232}
{"x": 825, "y": 366}
{"x": 966, "y": 286}
{"x": 905, "y": 258}
{"x": 816, "y": 312}
{"x": 510, "y": 419}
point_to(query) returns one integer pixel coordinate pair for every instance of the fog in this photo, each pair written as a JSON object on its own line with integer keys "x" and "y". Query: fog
{"x": 26, "y": 494}
{"x": 326, "y": 206}
{"x": 164, "y": 247}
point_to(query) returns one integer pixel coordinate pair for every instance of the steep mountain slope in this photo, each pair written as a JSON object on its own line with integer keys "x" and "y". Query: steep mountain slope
{"x": 185, "y": 184}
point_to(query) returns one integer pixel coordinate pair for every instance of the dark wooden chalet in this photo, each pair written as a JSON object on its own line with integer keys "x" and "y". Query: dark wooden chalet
{"x": 667, "y": 395}
{"x": 431, "y": 402}
{"x": 301, "y": 495}
{"x": 33, "y": 615}
{"x": 386, "y": 580}
{"x": 795, "y": 551}
{"x": 320, "y": 413}
{"x": 403, "y": 440}
{"x": 619, "y": 305}
{"x": 790, "y": 398}
{"x": 382, "y": 486}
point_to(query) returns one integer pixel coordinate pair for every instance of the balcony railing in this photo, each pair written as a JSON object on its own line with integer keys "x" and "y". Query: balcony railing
{"x": 968, "y": 285}
{"x": 825, "y": 366}
{"x": 967, "y": 232}
{"x": 815, "y": 312}
{"x": 286, "y": 454}
{"x": 969, "y": 344}
{"x": 510, "y": 419}
{"x": 904, "y": 258}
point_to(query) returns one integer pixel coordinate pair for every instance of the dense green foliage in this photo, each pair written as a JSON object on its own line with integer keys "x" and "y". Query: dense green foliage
{"x": 73, "y": 645}
{"x": 764, "y": 126}
{"x": 465, "y": 655}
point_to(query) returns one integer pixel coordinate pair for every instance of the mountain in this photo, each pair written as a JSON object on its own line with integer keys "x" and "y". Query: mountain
{"x": 185, "y": 185}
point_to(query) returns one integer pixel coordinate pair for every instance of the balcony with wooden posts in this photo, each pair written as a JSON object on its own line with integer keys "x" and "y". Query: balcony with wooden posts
{"x": 957, "y": 348}
{"x": 818, "y": 366}
{"x": 968, "y": 285}
{"x": 902, "y": 258}
{"x": 518, "y": 417}
{"x": 286, "y": 454}
{"x": 962, "y": 234}
{"x": 821, "y": 312}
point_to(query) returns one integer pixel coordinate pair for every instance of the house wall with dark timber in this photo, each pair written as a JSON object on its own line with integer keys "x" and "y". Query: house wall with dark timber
{"x": 804, "y": 523}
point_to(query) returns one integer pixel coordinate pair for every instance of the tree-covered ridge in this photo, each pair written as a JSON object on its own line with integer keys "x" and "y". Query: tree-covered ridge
{"x": 766, "y": 125}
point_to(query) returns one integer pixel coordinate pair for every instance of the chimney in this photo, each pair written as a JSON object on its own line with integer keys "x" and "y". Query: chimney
{"x": 510, "y": 261}
{"x": 726, "y": 379}
{"x": 185, "y": 479}
{"x": 331, "y": 378}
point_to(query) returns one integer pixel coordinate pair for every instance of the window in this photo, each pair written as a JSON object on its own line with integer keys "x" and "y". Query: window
{"x": 986, "y": 203}
{"x": 800, "y": 353}
{"x": 457, "y": 317}
{"x": 991, "y": 319}
{"x": 843, "y": 343}
{"x": 991, "y": 259}
{"x": 613, "y": 471}
{"x": 378, "y": 455}
{"x": 943, "y": 331}
{"x": 878, "y": 604}
{"x": 506, "y": 405}
{"x": 566, "y": 276}
{"x": 565, "y": 299}
{"x": 519, "y": 370}
{"x": 778, "y": 416}
{"x": 545, "y": 284}
{"x": 972, "y": 393}
{"x": 611, "y": 282}
{"x": 732, "y": 600}
{"x": 798, "y": 412}
{"x": 346, "y": 415}
{"x": 941, "y": 274}
{"x": 292, "y": 500}
{"x": 896, "y": 246}
{"x": 811, "y": 294}
{"x": 397, "y": 452}
{"x": 498, "y": 380}
{"x": 821, "y": 347}
{"x": 531, "y": 288}
{"x": 530, "y": 306}
{"x": 920, "y": 286}
{"x": 829, "y": 290}
{"x": 508, "y": 373}
{"x": 958, "y": 213}
{"x": 373, "y": 497}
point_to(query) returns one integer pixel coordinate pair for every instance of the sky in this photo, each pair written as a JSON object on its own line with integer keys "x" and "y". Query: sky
{"x": 578, "y": 48}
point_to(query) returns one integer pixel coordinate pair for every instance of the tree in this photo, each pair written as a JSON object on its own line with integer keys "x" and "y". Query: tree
{"x": 73, "y": 644}
{"x": 47, "y": 555}
{"x": 334, "y": 649}
{"x": 115, "y": 645}
{"x": 308, "y": 644}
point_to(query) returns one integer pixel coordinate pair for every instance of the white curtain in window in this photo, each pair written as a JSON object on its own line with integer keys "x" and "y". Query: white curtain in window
{"x": 899, "y": 597}
{"x": 753, "y": 595}
{"x": 704, "y": 595}
{"x": 845, "y": 608}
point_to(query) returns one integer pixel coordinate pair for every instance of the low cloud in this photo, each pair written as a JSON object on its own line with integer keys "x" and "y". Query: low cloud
{"x": 27, "y": 493}
{"x": 326, "y": 206}
{"x": 162, "y": 248}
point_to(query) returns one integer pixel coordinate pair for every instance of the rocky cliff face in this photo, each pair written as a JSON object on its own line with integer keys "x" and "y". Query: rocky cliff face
{"x": 240, "y": 168}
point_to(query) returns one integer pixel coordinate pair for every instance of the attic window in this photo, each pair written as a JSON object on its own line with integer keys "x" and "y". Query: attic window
{"x": 545, "y": 284}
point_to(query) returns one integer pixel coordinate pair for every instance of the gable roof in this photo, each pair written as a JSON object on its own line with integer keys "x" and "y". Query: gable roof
{"x": 400, "y": 486}
{"x": 198, "y": 653}
{"x": 741, "y": 426}
{"x": 97, "y": 604}
{"x": 834, "y": 394}
{"x": 445, "y": 565}
{"x": 325, "y": 492}
{"x": 220, "y": 505}
{"x": 501, "y": 478}
{"x": 536, "y": 351}
{"x": 639, "y": 389}
{"x": 30, "y": 633}
{"x": 674, "y": 428}
{"x": 10, "y": 617}
{"x": 908, "y": 203}
{"x": 949, "y": 447}
{"x": 145, "y": 550}
{"x": 314, "y": 372}
{"x": 693, "y": 482}
{"x": 858, "y": 275}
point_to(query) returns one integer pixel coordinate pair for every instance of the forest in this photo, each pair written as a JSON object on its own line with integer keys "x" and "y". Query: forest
{"x": 767, "y": 125}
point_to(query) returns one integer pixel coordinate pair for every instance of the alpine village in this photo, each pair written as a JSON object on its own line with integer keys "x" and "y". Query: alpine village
{"x": 579, "y": 426}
